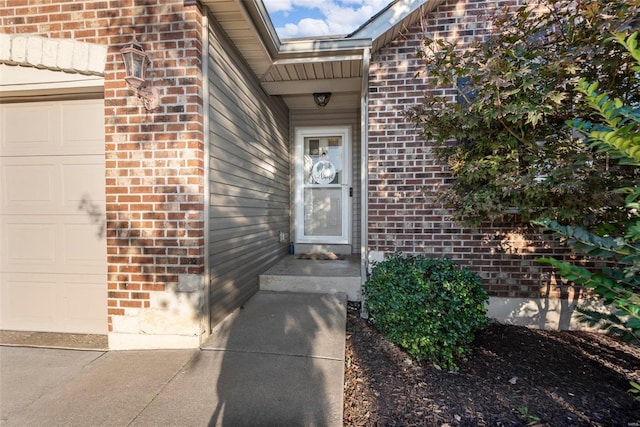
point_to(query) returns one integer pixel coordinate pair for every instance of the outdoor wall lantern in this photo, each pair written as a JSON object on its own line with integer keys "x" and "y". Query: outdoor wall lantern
{"x": 322, "y": 99}
{"x": 136, "y": 62}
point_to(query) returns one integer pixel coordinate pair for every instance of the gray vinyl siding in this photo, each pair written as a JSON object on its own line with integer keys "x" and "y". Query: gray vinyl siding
{"x": 310, "y": 118}
{"x": 248, "y": 175}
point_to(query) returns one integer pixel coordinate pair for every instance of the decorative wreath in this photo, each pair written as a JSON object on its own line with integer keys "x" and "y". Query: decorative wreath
{"x": 323, "y": 172}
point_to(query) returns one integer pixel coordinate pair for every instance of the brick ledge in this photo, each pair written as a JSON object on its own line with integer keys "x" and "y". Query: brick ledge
{"x": 53, "y": 54}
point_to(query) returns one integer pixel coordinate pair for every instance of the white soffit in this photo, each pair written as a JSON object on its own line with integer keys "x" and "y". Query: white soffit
{"x": 310, "y": 86}
{"x": 246, "y": 27}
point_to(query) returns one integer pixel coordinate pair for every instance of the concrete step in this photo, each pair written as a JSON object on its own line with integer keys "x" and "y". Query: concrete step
{"x": 312, "y": 284}
{"x": 314, "y": 276}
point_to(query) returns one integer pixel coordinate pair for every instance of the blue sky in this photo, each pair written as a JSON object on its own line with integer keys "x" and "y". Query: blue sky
{"x": 302, "y": 18}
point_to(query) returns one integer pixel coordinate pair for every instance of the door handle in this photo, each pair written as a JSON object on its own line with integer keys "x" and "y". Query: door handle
{"x": 350, "y": 191}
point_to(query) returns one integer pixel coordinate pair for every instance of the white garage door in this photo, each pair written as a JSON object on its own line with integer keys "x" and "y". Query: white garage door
{"x": 52, "y": 205}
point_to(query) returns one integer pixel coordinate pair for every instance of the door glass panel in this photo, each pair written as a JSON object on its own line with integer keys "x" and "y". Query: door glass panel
{"x": 323, "y": 160}
{"x": 323, "y": 179}
{"x": 323, "y": 212}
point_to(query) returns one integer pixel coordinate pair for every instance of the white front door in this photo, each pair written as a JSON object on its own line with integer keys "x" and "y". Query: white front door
{"x": 323, "y": 185}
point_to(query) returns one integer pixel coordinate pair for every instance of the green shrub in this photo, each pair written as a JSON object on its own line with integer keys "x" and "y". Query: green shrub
{"x": 430, "y": 307}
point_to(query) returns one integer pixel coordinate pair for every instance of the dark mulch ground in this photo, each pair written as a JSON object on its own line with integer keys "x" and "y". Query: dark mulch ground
{"x": 515, "y": 377}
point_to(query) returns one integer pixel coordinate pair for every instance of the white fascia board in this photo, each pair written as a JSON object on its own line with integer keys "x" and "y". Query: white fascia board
{"x": 257, "y": 16}
{"x": 310, "y": 47}
{"x": 316, "y": 59}
{"x": 267, "y": 24}
{"x": 18, "y": 79}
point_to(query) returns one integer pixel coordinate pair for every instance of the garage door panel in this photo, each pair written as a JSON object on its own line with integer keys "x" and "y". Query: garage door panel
{"x": 54, "y": 303}
{"x": 82, "y": 127}
{"x": 27, "y": 184}
{"x": 21, "y": 137}
{"x": 85, "y": 306}
{"x": 55, "y": 243}
{"x": 68, "y": 127}
{"x": 28, "y": 304}
{"x": 53, "y": 268}
{"x": 82, "y": 181}
{"x": 83, "y": 246}
{"x": 57, "y": 184}
{"x": 28, "y": 245}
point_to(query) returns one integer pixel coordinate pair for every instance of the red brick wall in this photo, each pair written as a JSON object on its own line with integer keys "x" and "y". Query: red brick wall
{"x": 403, "y": 172}
{"x": 154, "y": 160}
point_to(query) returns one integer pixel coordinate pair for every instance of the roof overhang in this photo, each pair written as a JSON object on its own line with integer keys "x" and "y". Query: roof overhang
{"x": 296, "y": 68}
{"x": 302, "y": 67}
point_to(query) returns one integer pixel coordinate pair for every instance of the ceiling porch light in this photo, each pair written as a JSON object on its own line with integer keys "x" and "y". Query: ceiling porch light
{"x": 322, "y": 99}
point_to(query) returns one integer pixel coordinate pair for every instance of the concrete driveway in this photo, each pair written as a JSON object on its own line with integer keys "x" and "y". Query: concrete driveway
{"x": 278, "y": 361}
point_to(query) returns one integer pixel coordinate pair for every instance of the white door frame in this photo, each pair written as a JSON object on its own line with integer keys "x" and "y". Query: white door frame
{"x": 322, "y": 131}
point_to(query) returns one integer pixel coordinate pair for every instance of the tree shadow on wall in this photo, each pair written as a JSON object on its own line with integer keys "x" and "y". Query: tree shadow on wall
{"x": 96, "y": 214}
{"x": 553, "y": 309}
{"x": 557, "y": 299}
{"x": 145, "y": 266}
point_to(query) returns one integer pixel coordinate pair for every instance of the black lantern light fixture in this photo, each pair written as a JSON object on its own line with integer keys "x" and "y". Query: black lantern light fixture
{"x": 136, "y": 62}
{"x": 322, "y": 99}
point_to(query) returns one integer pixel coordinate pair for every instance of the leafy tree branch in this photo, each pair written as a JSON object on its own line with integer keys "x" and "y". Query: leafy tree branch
{"x": 504, "y": 135}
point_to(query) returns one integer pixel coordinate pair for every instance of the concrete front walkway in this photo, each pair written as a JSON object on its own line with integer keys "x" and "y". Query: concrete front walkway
{"x": 278, "y": 361}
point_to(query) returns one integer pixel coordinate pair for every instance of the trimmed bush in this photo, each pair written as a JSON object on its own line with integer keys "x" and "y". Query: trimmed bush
{"x": 429, "y": 306}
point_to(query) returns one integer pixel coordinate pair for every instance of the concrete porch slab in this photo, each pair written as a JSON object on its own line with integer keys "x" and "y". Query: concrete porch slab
{"x": 293, "y": 266}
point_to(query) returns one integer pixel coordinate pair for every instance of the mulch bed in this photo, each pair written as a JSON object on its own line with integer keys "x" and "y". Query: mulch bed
{"x": 516, "y": 376}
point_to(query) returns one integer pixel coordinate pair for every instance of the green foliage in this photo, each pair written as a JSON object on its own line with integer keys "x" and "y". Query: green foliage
{"x": 616, "y": 133}
{"x": 430, "y": 307}
{"x": 506, "y": 143}
{"x": 526, "y": 416}
{"x": 617, "y": 285}
{"x": 635, "y": 389}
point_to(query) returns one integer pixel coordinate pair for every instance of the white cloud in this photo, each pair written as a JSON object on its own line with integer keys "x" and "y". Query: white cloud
{"x": 277, "y": 5}
{"x": 322, "y": 17}
{"x": 309, "y": 26}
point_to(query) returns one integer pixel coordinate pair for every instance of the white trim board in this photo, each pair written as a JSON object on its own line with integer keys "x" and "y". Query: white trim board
{"x": 18, "y": 80}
